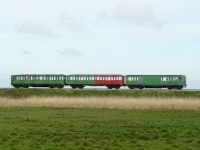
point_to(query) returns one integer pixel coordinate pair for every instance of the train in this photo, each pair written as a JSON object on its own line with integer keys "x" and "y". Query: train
{"x": 109, "y": 80}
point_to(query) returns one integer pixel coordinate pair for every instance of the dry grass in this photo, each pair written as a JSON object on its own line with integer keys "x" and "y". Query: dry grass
{"x": 121, "y": 103}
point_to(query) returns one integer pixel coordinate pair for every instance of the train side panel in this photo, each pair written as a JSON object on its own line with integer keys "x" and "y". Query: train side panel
{"x": 156, "y": 81}
{"x": 82, "y": 80}
{"x": 38, "y": 80}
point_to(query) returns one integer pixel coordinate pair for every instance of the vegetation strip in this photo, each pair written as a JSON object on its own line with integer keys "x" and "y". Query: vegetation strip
{"x": 25, "y": 93}
{"x": 110, "y": 103}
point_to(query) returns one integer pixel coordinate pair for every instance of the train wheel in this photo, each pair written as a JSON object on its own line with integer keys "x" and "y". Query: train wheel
{"x": 109, "y": 87}
{"x": 179, "y": 88}
{"x": 117, "y": 87}
{"x": 80, "y": 87}
{"x": 141, "y": 87}
{"x": 169, "y": 88}
{"x": 73, "y": 87}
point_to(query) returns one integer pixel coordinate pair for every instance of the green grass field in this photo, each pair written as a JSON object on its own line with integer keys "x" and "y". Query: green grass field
{"x": 50, "y": 119}
{"x": 74, "y": 128}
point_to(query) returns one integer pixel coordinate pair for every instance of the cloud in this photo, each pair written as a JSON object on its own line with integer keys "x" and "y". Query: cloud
{"x": 72, "y": 24}
{"x": 26, "y": 53}
{"x": 34, "y": 28}
{"x": 142, "y": 16}
{"x": 69, "y": 51}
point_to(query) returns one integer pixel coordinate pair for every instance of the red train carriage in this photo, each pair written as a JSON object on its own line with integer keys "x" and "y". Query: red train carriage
{"x": 109, "y": 80}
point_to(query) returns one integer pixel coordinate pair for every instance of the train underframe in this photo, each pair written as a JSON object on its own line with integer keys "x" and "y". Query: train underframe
{"x": 108, "y": 86}
{"x": 168, "y": 87}
{"x": 45, "y": 85}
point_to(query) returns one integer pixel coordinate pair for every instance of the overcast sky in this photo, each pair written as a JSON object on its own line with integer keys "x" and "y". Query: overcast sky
{"x": 101, "y": 37}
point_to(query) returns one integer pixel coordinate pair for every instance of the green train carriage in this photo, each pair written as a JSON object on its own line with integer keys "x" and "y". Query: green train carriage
{"x": 38, "y": 80}
{"x": 155, "y": 81}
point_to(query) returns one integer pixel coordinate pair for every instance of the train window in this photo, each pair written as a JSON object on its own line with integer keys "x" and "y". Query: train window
{"x": 164, "y": 79}
{"x": 175, "y": 78}
{"x": 84, "y": 78}
{"x": 40, "y": 78}
{"x": 44, "y": 78}
{"x": 120, "y": 78}
{"x": 140, "y": 78}
{"x": 97, "y": 78}
{"x": 129, "y": 78}
{"x": 17, "y": 78}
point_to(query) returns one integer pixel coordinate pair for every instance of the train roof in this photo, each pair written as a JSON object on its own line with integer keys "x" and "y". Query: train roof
{"x": 95, "y": 75}
{"x": 39, "y": 75}
{"x": 153, "y": 75}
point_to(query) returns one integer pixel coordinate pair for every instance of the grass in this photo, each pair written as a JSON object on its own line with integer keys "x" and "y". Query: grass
{"x": 90, "y": 129}
{"x": 46, "y": 119}
{"x": 104, "y": 102}
{"x": 25, "y": 93}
